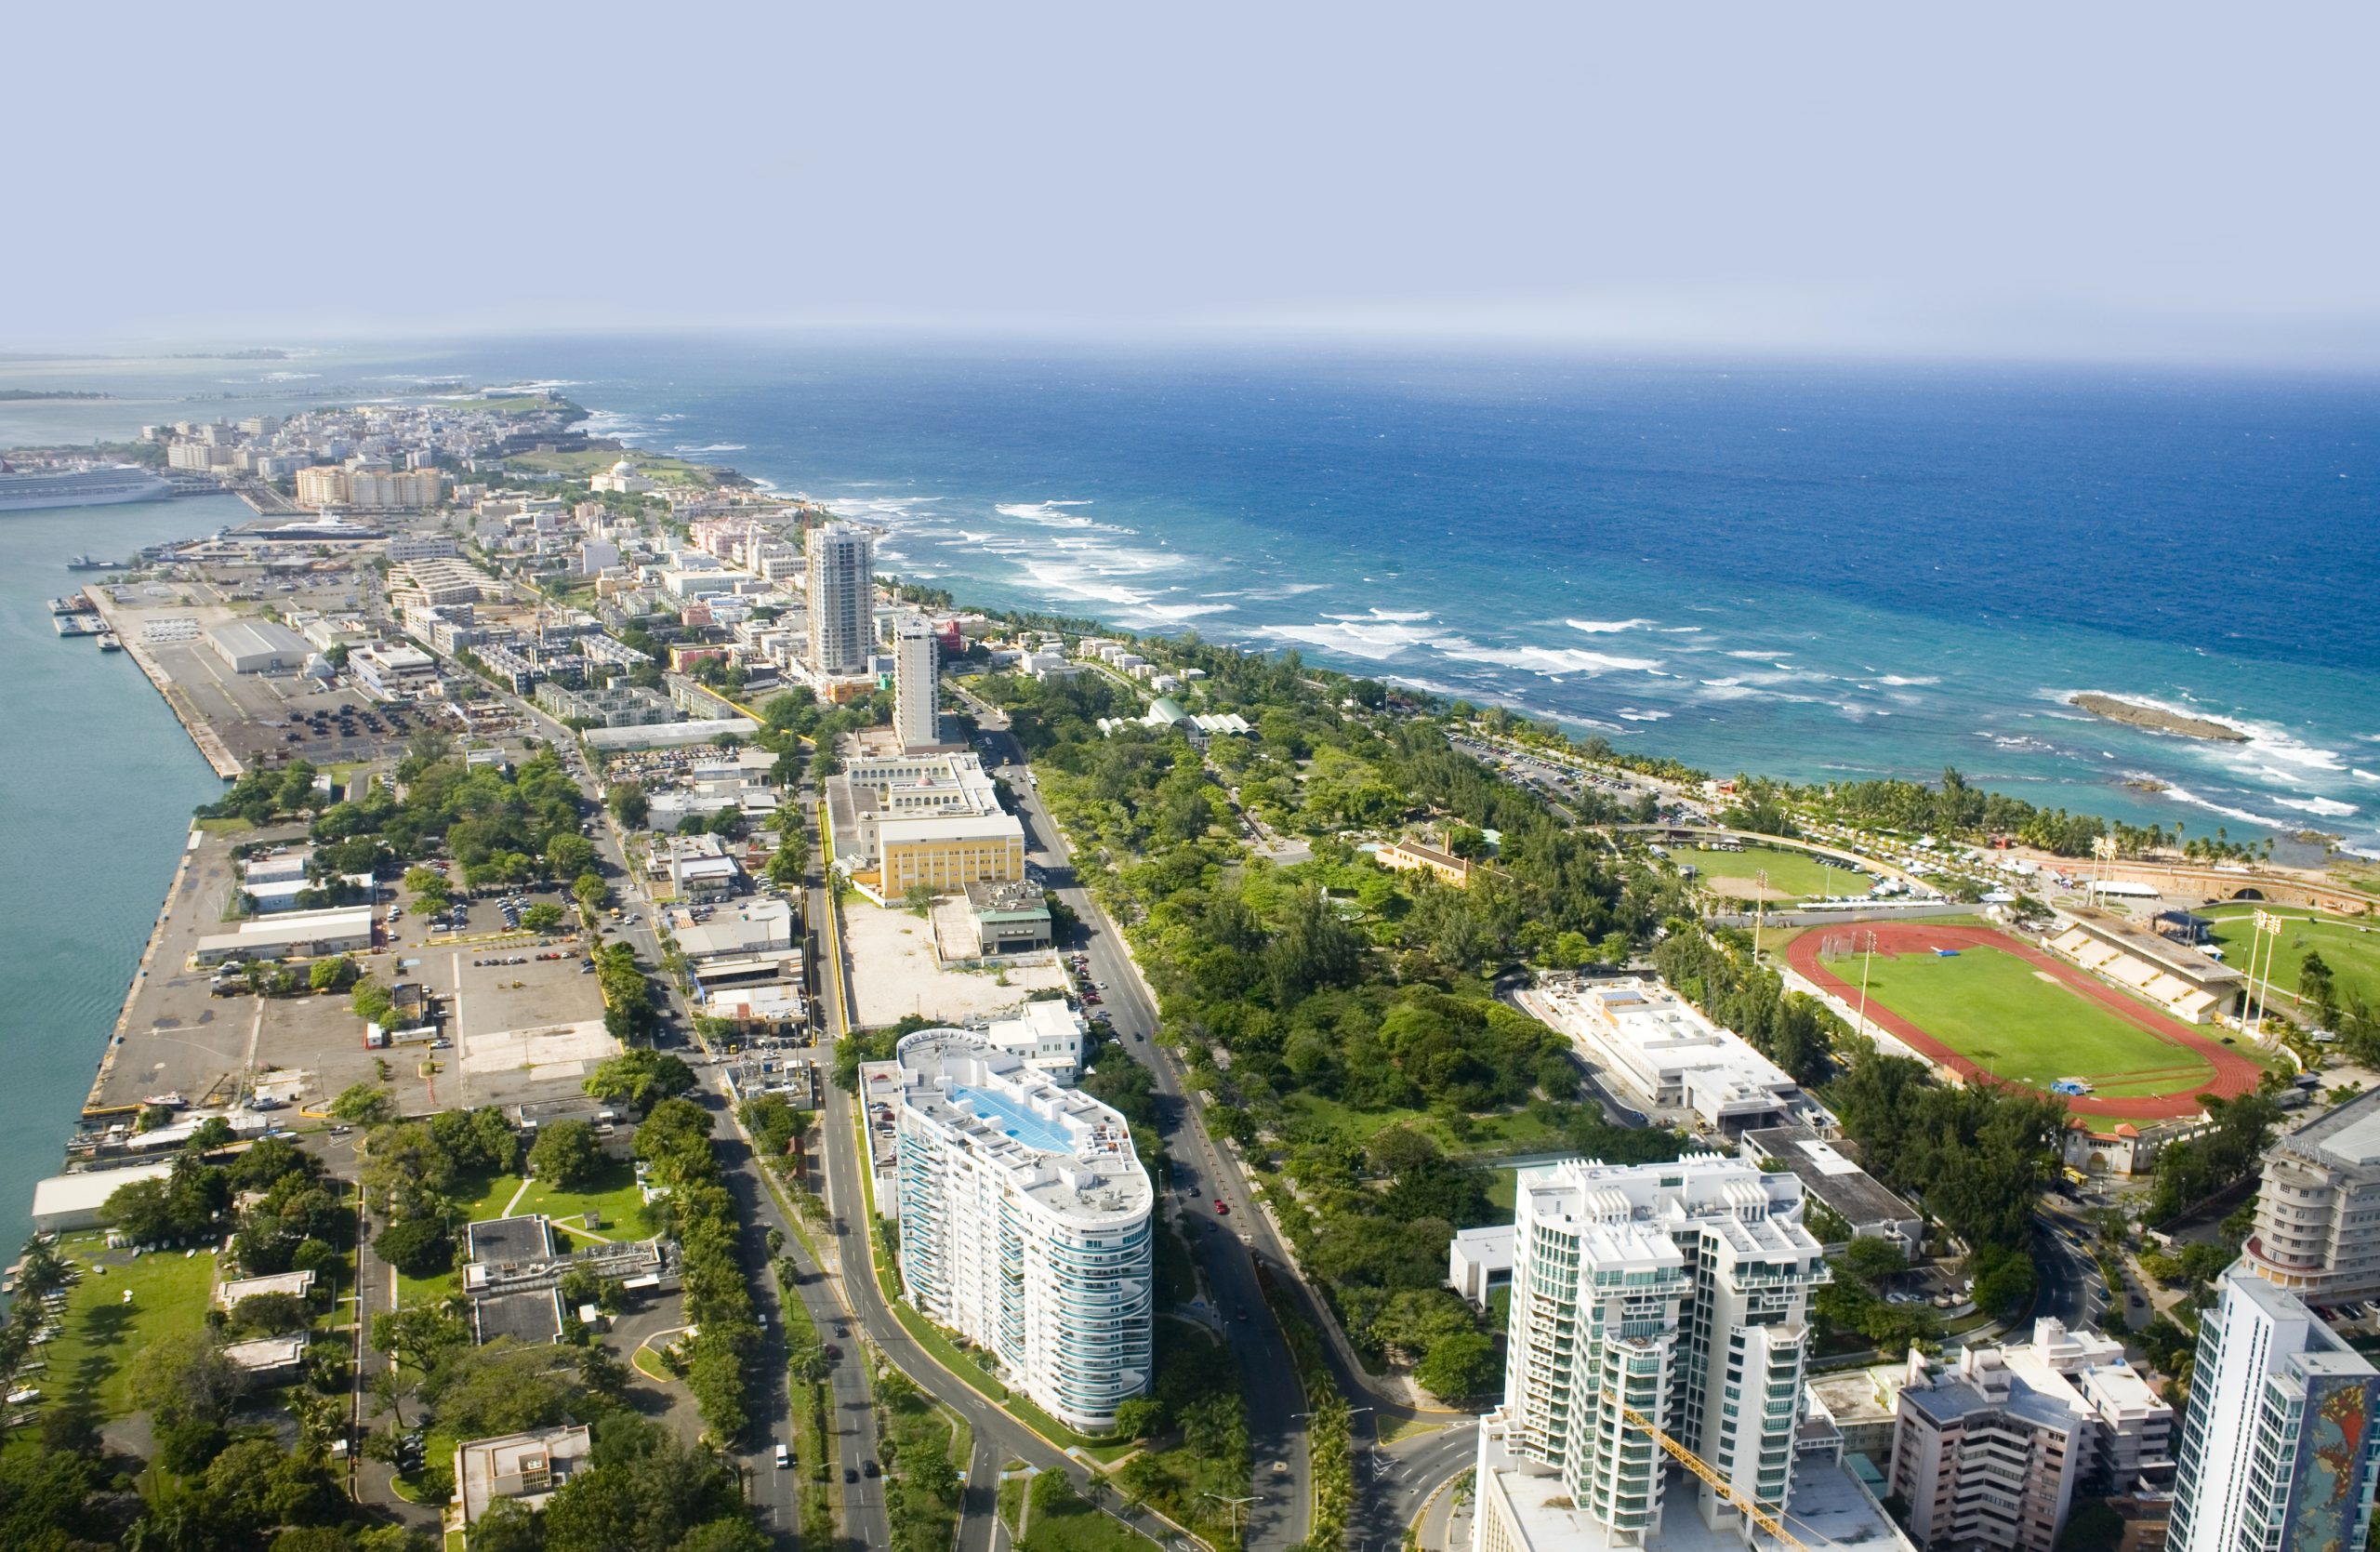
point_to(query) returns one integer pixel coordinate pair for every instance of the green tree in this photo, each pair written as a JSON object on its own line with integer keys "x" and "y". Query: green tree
{"x": 629, "y": 805}
{"x": 589, "y": 890}
{"x": 363, "y": 1104}
{"x": 568, "y": 855}
{"x": 1458, "y": 1364}
{"x": 566, "y": 1154}
{"x": 642, "y": 1078}
{"x": 543, "y": 917}
{"x": 418, "y": 1247}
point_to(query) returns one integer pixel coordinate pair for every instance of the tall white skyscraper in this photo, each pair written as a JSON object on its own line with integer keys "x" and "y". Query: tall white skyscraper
{"x": 842, "y": 598}
{"x": 1024, "y": 1224}
{"x": 2278, "y": 1446}
{"x": 916, "y": 685}
{"x": 1679, "y": 1291}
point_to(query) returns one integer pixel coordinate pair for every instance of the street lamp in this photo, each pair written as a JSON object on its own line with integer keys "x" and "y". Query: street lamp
{"x": 1760, "y": 908}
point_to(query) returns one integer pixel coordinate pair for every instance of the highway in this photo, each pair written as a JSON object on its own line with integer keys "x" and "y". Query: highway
{"x": 1203, "y": 1174}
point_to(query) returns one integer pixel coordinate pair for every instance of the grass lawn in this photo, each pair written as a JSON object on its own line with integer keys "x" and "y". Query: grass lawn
{"x": 614, "y": 1194}
{"x": 581, "y": 465}
{"x": 100, "y": 1341}
{"x": 231, "y": 825}
{"x": 2351, "y": 948}
{"x": 1504, "y": 1194}
{"x": 1503, "y": 1131}
{"x": 1997, "y": 1011}
{"x": 1079, "y": 1527}
{"x": 1797, "y": 874}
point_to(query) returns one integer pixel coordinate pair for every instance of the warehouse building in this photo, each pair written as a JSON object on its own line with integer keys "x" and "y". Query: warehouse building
{"x": 65, "y": 1203}
{"x": 258, "y": 646}
{"x": 293, "y": 935}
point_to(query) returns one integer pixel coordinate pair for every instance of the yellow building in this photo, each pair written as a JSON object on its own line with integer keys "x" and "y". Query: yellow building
{"x": 1412, "y": 856}
{"x": 324, "y": 485}
{"x": 947, "y": 853}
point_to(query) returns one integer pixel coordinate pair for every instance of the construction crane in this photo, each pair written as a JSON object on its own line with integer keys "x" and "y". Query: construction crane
{"x": 1695, "y": 1464}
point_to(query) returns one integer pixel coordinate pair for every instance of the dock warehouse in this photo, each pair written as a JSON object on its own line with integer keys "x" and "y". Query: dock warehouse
{"x": 65, "y": 1203}
{"x": 258, "y": 646}
{"x": 299, "y": 935}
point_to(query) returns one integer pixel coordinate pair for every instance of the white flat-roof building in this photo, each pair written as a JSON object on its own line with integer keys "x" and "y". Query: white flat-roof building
{"x": 951, "y": 782}
{"x": 1678, "y": 1291}
{"x": 1479, "y": 1261}
{"x": 258, "y": 646}
{"x": 1048, "y": 1035}
{"x": 752, "y": 926}
{"x": 525, "y": 1467}
{"x": 392, "y": 669}
{"x": 297, "y": 933}
{"x": 65, "y": 1203}
{"x": 1659, "y": 1045}
{"x": 2279, "y": 1446}
{"x": 1026, "y": 1224}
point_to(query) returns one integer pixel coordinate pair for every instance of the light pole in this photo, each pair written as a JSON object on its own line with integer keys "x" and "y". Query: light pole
{"x": 1867, "y": 960}
{"x": 1760, "y": 908}
{"x": 1234, "y": 1504}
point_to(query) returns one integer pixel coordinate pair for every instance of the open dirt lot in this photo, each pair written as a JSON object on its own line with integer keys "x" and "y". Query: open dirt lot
{"x": 896, "y": 972}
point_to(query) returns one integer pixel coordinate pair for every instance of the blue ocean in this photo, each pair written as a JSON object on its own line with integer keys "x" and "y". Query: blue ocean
{"x": 1811, "y": 570}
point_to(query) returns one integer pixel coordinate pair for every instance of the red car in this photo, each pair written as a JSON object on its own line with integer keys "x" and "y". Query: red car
{"x": 1222, "y": 1208}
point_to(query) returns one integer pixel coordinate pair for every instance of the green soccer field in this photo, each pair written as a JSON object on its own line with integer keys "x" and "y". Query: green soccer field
{"x": 1799, "y": 875}
{"x": 1997, "y": 1011}
{"x": 2351, "y": 950}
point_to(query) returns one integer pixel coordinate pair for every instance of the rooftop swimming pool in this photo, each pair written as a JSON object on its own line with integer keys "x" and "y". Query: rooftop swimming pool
{"x": 1006, "y": 1116}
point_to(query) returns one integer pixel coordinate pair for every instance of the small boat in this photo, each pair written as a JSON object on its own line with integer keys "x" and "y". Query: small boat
{"x": 170, "y": 1100}
{"x": 110, "y": 642}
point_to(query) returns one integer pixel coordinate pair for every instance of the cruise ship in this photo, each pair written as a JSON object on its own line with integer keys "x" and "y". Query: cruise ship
{"x": 103, "y": 484}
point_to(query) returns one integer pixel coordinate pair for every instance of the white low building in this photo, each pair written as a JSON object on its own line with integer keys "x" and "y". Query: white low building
{"x": 1026, "y": 1224}
{"x": 1662, "y": 1047}
{"x": 65, "y": 1203}
{"x": 1048, "y": 1035}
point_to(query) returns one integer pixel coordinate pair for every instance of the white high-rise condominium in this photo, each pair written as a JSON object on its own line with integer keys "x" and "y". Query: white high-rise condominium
{"x": 2279, "y": 1447}
{"x": 1024, "y": 1224}
{"x": 916, "y": 687}
{"x": 1678, "y": 1291}
{"x": 842, "y": 598}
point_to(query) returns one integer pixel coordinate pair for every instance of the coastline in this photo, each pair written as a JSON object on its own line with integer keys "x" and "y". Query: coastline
{"x": 210, "y": 744}
{"x": 91, "y": 1106}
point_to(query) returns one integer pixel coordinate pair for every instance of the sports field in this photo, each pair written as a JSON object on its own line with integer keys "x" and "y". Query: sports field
{"x": 1792, "y": 875}
{"x": 2350, "y": 948}
{"x": 2006, "y": 1008}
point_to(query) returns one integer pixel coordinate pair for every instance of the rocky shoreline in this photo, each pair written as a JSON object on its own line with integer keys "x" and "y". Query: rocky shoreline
{"x": 2155, "y": 719}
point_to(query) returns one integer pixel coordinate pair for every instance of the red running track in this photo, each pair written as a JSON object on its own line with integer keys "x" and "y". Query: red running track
{"x": 2234, "y": 1074}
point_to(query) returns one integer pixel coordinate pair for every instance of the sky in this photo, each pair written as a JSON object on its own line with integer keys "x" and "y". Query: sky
{"x": 2117, "y": 180}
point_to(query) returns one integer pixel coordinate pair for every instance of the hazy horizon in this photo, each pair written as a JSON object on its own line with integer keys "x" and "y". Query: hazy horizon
{"x": 2132, "y": 183}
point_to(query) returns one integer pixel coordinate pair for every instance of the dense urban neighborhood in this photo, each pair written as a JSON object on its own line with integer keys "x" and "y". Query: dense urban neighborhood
{"x": 673, "y": 1037}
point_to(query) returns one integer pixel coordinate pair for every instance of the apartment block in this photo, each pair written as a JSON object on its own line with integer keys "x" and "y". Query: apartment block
{"x": 1024, "y": 1223}
{"x": 1670, "y": 1296}
{"x": 2278, "y": 1448}
{"x": 2318, "y": 1216}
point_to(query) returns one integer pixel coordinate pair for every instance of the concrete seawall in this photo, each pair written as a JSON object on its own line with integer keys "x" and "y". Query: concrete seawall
{"x": 201, "y": 733}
